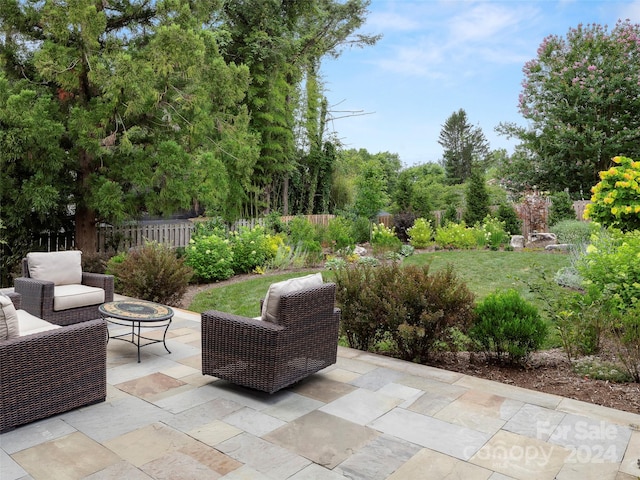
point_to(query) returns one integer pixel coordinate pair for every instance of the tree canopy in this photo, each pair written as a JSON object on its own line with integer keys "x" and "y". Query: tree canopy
{"x": 581, "y": 97}
{"x": 113, "y": 110}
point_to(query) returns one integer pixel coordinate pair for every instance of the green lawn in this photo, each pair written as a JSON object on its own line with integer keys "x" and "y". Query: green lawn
{"x": 483, "y": 270}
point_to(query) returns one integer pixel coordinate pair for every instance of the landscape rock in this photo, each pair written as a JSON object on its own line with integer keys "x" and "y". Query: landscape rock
{"x": 558, "y": 246}
{"x": 517, "y": 241}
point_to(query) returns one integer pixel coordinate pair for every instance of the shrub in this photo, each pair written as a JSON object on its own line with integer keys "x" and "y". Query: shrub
{"x": 410, "y": 306}
{"x": 611, "y": 268}
{"x": 616, "y": 198}
{"x": 561, "y": 208}
{"x": 339, "y": 233}
{"x": 251, "y": 249}
{"x": 581, "y": 321}
{"x": 450, "y": 215}
{"x": 455, "y": 235}
{"x": 627, "y": 335}
{"x": 383, "y": 239}
{"x": 420, "y": 234}
{"x": 493, "y": 232}
{"x": 402, "y": 222}
{"x": 357, "y": 295}
{"x": 152, "y": 272}
{"x": 508, "y": 327}
{"x": 95, "y": 262}
{"x": 211, "y": 258}
{"x": 424, "y": 308}
{"x": 286, "y": 257}
{"x": 361, "y": 230}
{"x": 573, "y": 232}
{"x": 303, "y": 238}
{"x": 508, "y": 215}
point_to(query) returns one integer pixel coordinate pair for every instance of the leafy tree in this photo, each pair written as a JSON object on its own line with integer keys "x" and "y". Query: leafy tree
{"x": 139, "y": 112}
{"x": 477, "y": 199}
{"x": 464, "y": 145}
{"x": 371, "y": 192}
{"x": 580, "y": 97}
{"x": 282, "y": 42}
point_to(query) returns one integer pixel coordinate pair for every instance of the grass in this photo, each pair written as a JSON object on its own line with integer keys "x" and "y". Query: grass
{"x": 241, "y": 298}
{"x": 483, "y": 270}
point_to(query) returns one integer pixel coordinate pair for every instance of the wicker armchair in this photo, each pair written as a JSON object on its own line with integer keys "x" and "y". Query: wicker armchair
{"x": 38, "y": 297}
{"x": 47, "y": 373}
{"x": 269, "y": 356}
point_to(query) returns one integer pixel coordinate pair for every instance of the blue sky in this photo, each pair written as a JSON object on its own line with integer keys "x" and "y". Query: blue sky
{"x": 437, "y": 56}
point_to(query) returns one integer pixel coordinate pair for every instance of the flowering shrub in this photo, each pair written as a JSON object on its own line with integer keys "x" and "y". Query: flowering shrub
{"x": 251, "y": 248}
{"x": 384, "y": 239}
{"x": 494, "y": 233}
{"x": 455, "y": 235}
{"x": 616, "y": 198}
{"x": 211, "y": 257}
{"x": 420, "y": 234}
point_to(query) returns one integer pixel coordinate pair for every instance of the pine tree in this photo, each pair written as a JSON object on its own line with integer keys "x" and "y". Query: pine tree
{"x": 477, "y": 199}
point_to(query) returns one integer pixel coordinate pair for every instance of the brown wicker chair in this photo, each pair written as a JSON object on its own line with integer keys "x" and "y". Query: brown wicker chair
{"x": 268, "y": 356}
{"x": 52, "y": 372}
{"x": 37, "y": 297}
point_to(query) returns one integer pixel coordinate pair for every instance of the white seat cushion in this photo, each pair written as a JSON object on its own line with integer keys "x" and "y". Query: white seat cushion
{"x": 61, "y": 268}
{"x": 8, "y": 319}
{"x": 276, "y": 290}
{"x": 29, "y": 324}
{"x": 73, "y": 296}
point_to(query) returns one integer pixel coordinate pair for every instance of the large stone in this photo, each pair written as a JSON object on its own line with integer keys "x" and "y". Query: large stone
{"x": 517, "y": 241}
{"x": 542, "y": 237}
{"x": 558, "y": 246}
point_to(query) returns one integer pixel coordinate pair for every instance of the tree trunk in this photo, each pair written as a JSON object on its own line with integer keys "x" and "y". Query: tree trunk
{"x": 85, "y": 218}
{"x": 86, "y": 240}
{"x": 285, "y": 195}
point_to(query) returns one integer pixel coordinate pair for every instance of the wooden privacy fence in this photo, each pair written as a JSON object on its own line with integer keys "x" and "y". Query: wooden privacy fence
{"x": 175, "y": 233}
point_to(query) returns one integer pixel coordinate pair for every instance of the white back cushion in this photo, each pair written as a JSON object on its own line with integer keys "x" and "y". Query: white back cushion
{"x": 61, "y": 268}
{"x": 276, "y": 290}
{"x": 8, "y": 319}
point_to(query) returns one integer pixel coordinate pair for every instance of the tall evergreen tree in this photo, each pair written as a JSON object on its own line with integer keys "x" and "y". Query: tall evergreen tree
{"x": 139, "y": 111}
{"x": 477, "y": 199}
{"x": 464, "y": 146}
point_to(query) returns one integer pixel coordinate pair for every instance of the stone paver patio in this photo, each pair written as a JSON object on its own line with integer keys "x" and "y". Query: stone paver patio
{"x": 367, "y": 417}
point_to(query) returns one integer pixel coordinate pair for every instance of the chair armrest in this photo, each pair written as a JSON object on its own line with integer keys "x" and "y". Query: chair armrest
{"x": 37, "y": 295}
{"x": 53, "y": 371}
{"x": 99, "y": 280}
{"x": 16, "y": 299}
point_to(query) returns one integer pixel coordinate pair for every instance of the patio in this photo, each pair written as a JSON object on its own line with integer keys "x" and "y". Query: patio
{"x": 367, "y": 417}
